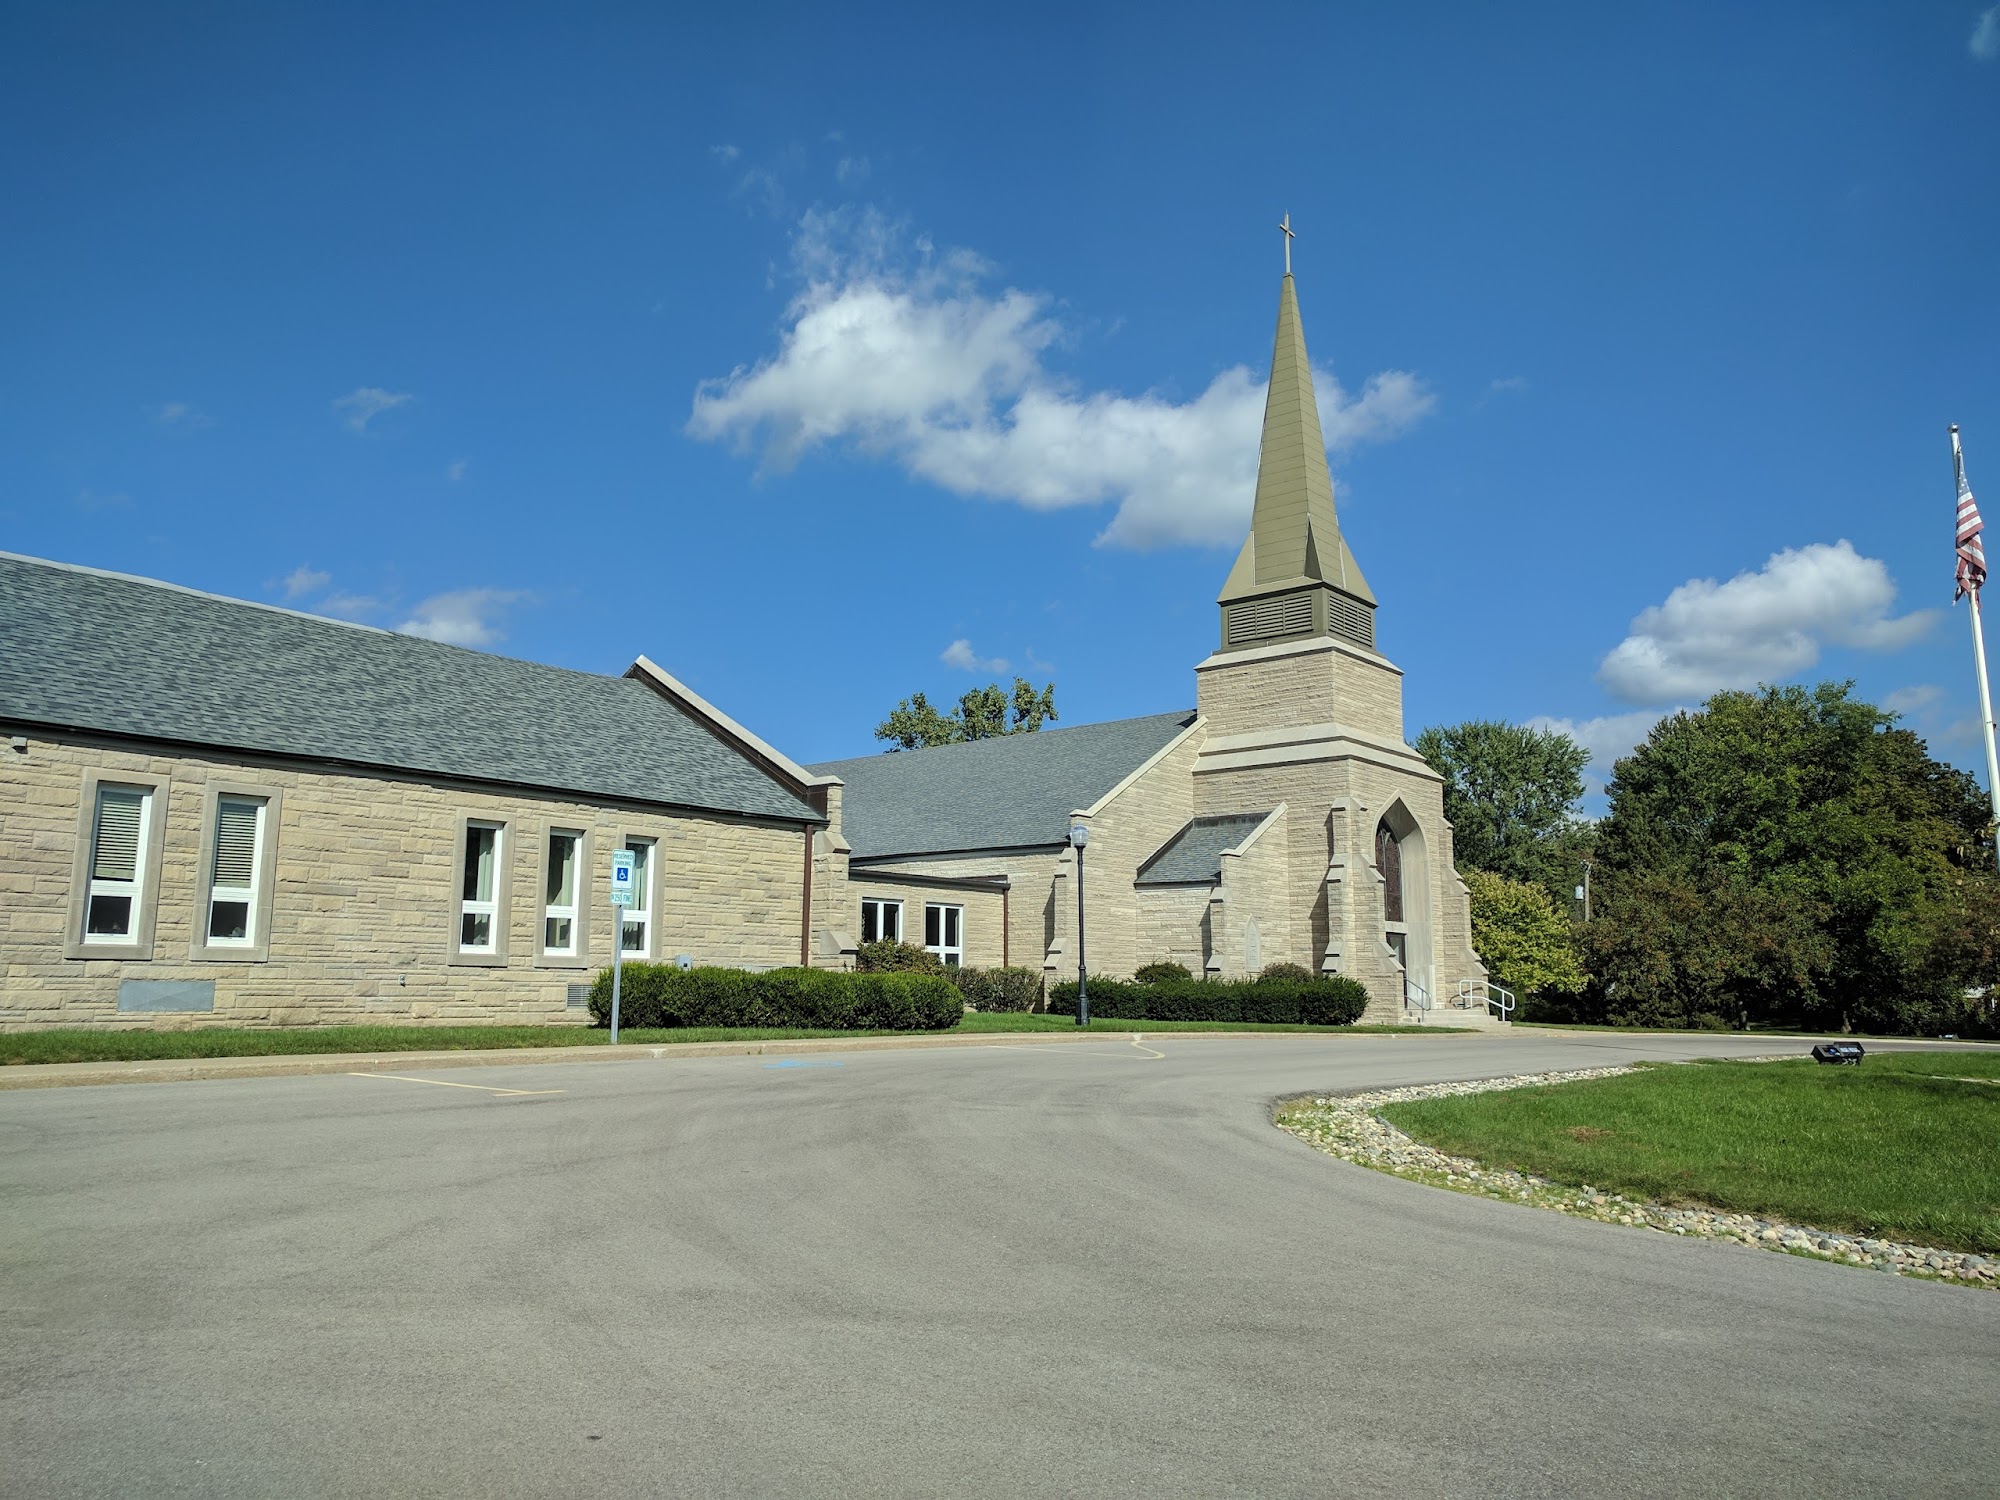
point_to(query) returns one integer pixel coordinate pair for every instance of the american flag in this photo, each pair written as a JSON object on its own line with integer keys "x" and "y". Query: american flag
{"x": 1971, "y": 556}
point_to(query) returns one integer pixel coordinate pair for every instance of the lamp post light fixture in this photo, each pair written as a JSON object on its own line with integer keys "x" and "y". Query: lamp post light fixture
{"x": 1078, "y": 837}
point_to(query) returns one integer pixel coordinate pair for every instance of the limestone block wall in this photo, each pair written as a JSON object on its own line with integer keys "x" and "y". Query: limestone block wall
{"x": 984, "y": 907}
{"x": 1126, "y": 830}
{"x": 363, "y": 910}
{"x": 1251, "y": 915}
{"x": 1033, "y": 918}
{"x": 1347, "y": 915}
{"x": 1319, "y": 681}
{"x": 1172, "y": 923}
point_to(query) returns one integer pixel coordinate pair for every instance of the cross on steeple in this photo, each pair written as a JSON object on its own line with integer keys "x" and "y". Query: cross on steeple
{"x": 1285, "y": 224}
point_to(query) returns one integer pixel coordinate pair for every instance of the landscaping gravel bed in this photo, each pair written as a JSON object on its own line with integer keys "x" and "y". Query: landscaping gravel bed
{"x": 1347, "y": 1126}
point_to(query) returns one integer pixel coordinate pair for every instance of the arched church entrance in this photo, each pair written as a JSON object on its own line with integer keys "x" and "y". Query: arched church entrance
{"x": 1403, "y": 863}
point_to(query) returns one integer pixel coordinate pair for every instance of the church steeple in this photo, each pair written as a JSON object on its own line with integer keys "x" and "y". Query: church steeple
{"x": 1295, "y": 576}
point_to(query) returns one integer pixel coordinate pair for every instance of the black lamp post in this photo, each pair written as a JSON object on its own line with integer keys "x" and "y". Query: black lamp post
{"x": 1078, "y": 837}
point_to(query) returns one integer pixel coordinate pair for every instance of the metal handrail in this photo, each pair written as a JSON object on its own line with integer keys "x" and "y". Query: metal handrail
{"x": 1415, "y": 996}
{"x": 1495, "y": 997}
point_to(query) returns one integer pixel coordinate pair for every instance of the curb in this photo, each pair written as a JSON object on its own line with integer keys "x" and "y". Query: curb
{"x": 189, "y": 1069}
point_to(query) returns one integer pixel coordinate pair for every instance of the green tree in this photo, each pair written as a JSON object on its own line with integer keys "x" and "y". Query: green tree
{"x": 981, "y": 714}
{"x": 1511, "y": 795}
{"x": 1524, "y": 941}
{"x": 1791, "y": 857}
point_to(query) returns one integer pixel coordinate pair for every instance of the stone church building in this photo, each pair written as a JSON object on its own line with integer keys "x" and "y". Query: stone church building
{"x": 220, "y": 812}
{"x": 1283, "y": 819}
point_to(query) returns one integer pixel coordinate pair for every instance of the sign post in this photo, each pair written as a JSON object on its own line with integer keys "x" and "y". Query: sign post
{"x": 621, "y": 897}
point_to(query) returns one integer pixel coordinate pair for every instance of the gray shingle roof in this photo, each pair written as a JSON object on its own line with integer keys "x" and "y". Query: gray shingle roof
{"x": 1005, "y": 793}
{"x": 1194, "y": 855}
{"x": 86, "y": 650}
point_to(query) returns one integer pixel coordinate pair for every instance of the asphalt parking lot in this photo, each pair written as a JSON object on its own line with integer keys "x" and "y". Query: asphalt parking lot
{"x": 1093, "y": 1268}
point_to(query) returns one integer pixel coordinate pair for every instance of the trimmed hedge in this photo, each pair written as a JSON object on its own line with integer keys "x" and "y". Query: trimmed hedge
{"x": 1335, "y": 1001}
{"x": 893, "y": 957}
{"x": 1163, "y": 971}
{"x": 998, "y": 989}
{"x": 661, "y": 995}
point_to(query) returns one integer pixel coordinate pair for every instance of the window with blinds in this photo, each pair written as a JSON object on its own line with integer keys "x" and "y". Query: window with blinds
{"x": 559, "y": 900}
{"x": 636, "y": 926}
{"x": 478, "y": 907}
{"x": 238, "y": 861}
{"x": 117, "y": 861}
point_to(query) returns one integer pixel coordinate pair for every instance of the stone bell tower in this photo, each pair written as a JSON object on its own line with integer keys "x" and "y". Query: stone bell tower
{"x": 1304, "y": 716}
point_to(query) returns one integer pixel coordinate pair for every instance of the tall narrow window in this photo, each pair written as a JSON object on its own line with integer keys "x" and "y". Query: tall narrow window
{"x": 944, "y": 933}
{"x": 478, "y": 924}
{"x": 559, "y": 897}
{"x": 117, "y": 863}
{"x": 637, "y": 928}
{"x": 238, "y": 862}
{"x": 881, "y": 921}
{"x": 1389, "y": 861}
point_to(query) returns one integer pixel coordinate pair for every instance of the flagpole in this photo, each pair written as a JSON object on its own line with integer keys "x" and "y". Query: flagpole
{"x": 1979, "y": 660}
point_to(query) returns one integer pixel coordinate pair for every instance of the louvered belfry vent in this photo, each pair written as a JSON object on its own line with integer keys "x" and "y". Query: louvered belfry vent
{"x": 1273, "y": 619}
{"x": 235, "y": 843}
{"x": 1351, "y": 620}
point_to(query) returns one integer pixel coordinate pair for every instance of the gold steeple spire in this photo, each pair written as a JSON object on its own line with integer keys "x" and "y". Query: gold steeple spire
{"x": 1295, "y": 551}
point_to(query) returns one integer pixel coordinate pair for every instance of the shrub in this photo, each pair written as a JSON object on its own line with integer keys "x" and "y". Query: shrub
{"x": 893, "y": 957}
{"x": 1332, "y": 1001}
{"x": 1286, "y": 971}
{"x": 998, "y": 989}
{"x": 661, "y": 995}
{"x": 1165, "y": 971}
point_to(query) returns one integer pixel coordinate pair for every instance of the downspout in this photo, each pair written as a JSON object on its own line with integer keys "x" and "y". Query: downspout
{"x": 1006, "y": 926}
{"x": 806, "y": 911}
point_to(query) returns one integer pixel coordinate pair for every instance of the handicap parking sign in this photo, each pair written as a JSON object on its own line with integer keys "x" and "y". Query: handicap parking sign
{"x": 621, "y": 878}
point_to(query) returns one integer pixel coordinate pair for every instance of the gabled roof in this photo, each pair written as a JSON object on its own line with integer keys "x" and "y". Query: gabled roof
{"x": 1194, "y": 855}
{"x": 1013, "y": 792}
{"x": 103, "y": 652}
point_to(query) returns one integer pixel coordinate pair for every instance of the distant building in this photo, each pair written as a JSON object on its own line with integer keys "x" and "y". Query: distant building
{"x": 218, "y": 812}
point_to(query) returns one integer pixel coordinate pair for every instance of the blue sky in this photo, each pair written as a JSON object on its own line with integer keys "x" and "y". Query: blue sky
{"x": 829, "y": 354}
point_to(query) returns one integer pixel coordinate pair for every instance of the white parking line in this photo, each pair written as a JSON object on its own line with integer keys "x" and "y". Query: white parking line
{"x": 440, "y": 1083}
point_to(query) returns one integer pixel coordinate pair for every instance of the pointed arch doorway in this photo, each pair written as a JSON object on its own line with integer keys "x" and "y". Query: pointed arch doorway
{"x": 1403, "y": 862}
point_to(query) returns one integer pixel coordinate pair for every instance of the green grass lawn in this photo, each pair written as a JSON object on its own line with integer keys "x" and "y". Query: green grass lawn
{"x": 134, "y": 1046}
{"x": 1900, "y": 1147}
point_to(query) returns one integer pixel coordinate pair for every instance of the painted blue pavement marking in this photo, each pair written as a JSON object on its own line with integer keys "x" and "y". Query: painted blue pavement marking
{"x": 805, "y": 1062}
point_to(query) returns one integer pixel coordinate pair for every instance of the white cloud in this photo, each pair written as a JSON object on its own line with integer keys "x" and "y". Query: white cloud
{"x": 181, "y": 414}
{"x": 960, "y": 655}
{"x": 360, "y": 407}
{"x": 303, "y": 580}
{"x": 1759, "y": 627}
{"x": 1985, "y": 43}
{"x": 464, "y": 617}
{"x": 1508, "y": 385}
{"x": 457, "y": 471}
{"x": 96, "y": 502}
{"x": 852, "y": 169}
{"x": 725, "y": 154}
{"x": 1608, "y": 739}
{"x": 901, "y": 353}
{"x": 1912, "y": 700}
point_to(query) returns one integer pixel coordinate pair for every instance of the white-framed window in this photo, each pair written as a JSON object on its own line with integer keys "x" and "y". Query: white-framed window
{"x": 559, "y": 915}
{"x": 479, "y": 889}
{"x": 237, "y": 869}
{"x": 636, "y": 931}
{"x": 944, "y": 932}
{"x": 120, "y": 840}
{"x": 881, "y": 921}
